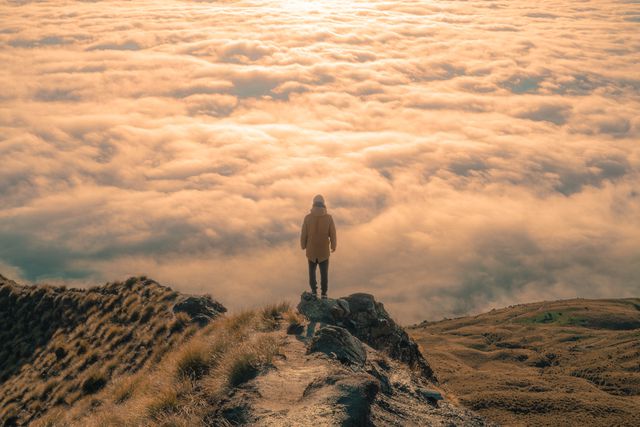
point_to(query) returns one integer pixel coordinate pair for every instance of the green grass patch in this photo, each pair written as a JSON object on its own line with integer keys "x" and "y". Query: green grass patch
{"x": 564, "y": 317}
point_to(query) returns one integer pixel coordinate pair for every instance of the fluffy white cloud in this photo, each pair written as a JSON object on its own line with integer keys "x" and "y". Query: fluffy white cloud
{"x": 473, "y": 154}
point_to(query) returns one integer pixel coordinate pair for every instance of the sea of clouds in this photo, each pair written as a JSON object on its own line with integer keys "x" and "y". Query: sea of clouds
{"x": 474, "y": 154}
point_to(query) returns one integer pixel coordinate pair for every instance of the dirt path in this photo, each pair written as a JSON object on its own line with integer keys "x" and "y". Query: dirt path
{"x": 281, "y": 391}
{"x": 314, "y": 390}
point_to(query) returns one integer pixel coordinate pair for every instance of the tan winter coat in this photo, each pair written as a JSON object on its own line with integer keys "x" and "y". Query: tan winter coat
{"x": 318, "y": 232}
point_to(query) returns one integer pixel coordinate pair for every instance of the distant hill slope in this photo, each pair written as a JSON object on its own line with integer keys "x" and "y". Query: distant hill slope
{"x": 574, "y": 362}
{"x": 60, "y": 345}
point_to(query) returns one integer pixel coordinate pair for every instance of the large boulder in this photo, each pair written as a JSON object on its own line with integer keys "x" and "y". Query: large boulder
{"x": 323, "y": 310}
{"x": 373, "y": 325}
{"x": 366, "y": 319}
{"x": 338, "y": 343}
{"x": 201, "y": 309}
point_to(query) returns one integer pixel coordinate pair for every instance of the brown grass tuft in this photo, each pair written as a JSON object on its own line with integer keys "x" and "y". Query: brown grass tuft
{"x": 124, "y": 388}
{"x": 194, "y": 360}
{"x": 164, "y": 402}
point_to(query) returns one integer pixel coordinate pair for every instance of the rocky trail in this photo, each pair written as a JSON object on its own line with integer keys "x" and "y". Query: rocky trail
{"x": 326, "y": 376}
{"x": 139, "y": 353}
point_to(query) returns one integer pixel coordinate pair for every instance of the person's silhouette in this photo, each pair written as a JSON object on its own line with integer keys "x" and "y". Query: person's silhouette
{"x": 317, "y": 236}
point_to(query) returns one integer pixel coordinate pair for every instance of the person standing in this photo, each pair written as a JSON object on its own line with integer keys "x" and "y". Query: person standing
{"x": 317, "y": 237}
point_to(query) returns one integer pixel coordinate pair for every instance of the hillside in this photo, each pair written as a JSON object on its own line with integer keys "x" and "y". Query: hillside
{"x": 574, "y": 362}
{"x": 137, "y": 353}
{"x": 59, "y": 346}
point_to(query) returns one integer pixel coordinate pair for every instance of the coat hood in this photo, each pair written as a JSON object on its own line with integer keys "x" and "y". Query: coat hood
{"x": 318, "y": 211}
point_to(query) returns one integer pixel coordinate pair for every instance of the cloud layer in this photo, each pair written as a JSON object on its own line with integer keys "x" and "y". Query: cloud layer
{"x": 473, "y": 154}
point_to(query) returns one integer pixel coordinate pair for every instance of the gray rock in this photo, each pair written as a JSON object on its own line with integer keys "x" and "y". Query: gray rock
{"x": 431, "y": 395}
{"x": 337, "y": 342}
{"x": 201, "y": 309}
{"x": 351, "y": 394}
{"x": 367, "y": 320}
{"x": 357, "y": 396}
{"x": 295, "y": 329}
{"x": 373, "y": 325}
{"x": 376, "y": 368}
{"x": 322, "y": 310}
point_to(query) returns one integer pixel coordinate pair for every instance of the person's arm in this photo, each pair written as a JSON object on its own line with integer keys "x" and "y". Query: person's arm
{"x": 303, "y": 235}
{"x": 332, "y": 235}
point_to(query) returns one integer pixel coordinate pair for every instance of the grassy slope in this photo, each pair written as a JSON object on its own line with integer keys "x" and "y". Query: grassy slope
{"x": 59, "y": 346}
{"x": 192, "y": 382}
{"x": 574, "y": 362}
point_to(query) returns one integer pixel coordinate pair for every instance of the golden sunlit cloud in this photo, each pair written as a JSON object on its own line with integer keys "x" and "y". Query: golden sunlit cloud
{"x": 472, "y": 153}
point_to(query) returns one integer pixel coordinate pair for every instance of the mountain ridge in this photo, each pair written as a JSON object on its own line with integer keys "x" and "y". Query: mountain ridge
{"x": 58, "y": 345}
{"x": 135, "y": 352}
{"x": 96, "y": 358}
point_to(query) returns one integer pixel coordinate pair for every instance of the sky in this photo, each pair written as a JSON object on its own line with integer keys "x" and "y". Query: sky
{"x": 473, "y": 154}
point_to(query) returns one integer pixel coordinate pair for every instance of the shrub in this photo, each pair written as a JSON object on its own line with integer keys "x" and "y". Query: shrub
{"x": 240, "y": 322}
{"x": 242, "y": 368}
{"x": 243, "y": 363}
{"x": 160, "y": 330}
{"x": 272, "y": 314}
{"x": 193, "y": 362}
{"x": 295, "y": 322}
{"x": 274, "y": 311}
{"x": 164, "y": 402}
{"x": 180, "y": 389}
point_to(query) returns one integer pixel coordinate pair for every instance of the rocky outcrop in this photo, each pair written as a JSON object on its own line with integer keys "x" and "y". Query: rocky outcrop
{"x": 366, "y": 319}
{"x": 201, "y": 309}
{"x": 338, "y": 343}
{"x": 324, "y": 379}
{"x": 329, "y": 310}
{"x": 353, "y": 392}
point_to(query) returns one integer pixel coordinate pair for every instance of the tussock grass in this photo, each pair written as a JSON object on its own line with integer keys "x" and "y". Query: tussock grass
{"x": 272, "y": 314}
{"x": 241, "y": 363}
{"x": 294, "y": 318}
{"x": 245, "y": 363}
{"x": 164, "y": 402}
{"x": 188, "y": 381}
{"x": 124, "y": 388}
{"x": 61, "y": 348}
{"x": 180, "y": 323}
{"x": 194, "y": 360}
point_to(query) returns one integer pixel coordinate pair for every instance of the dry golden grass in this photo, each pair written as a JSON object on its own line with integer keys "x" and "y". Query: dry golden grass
{"x": 240, "y": 363}
{"x": 189, "y": 381}
{"x": 193, "y": 360}
{"x": 124, "y": 387}
{"x": 59, "y": 346}
{"x": 294, "y": 318}
{"x": 574, "y": 362}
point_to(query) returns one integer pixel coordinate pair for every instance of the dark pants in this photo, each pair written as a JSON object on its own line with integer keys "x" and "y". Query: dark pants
{"x": 324, "y": 275}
